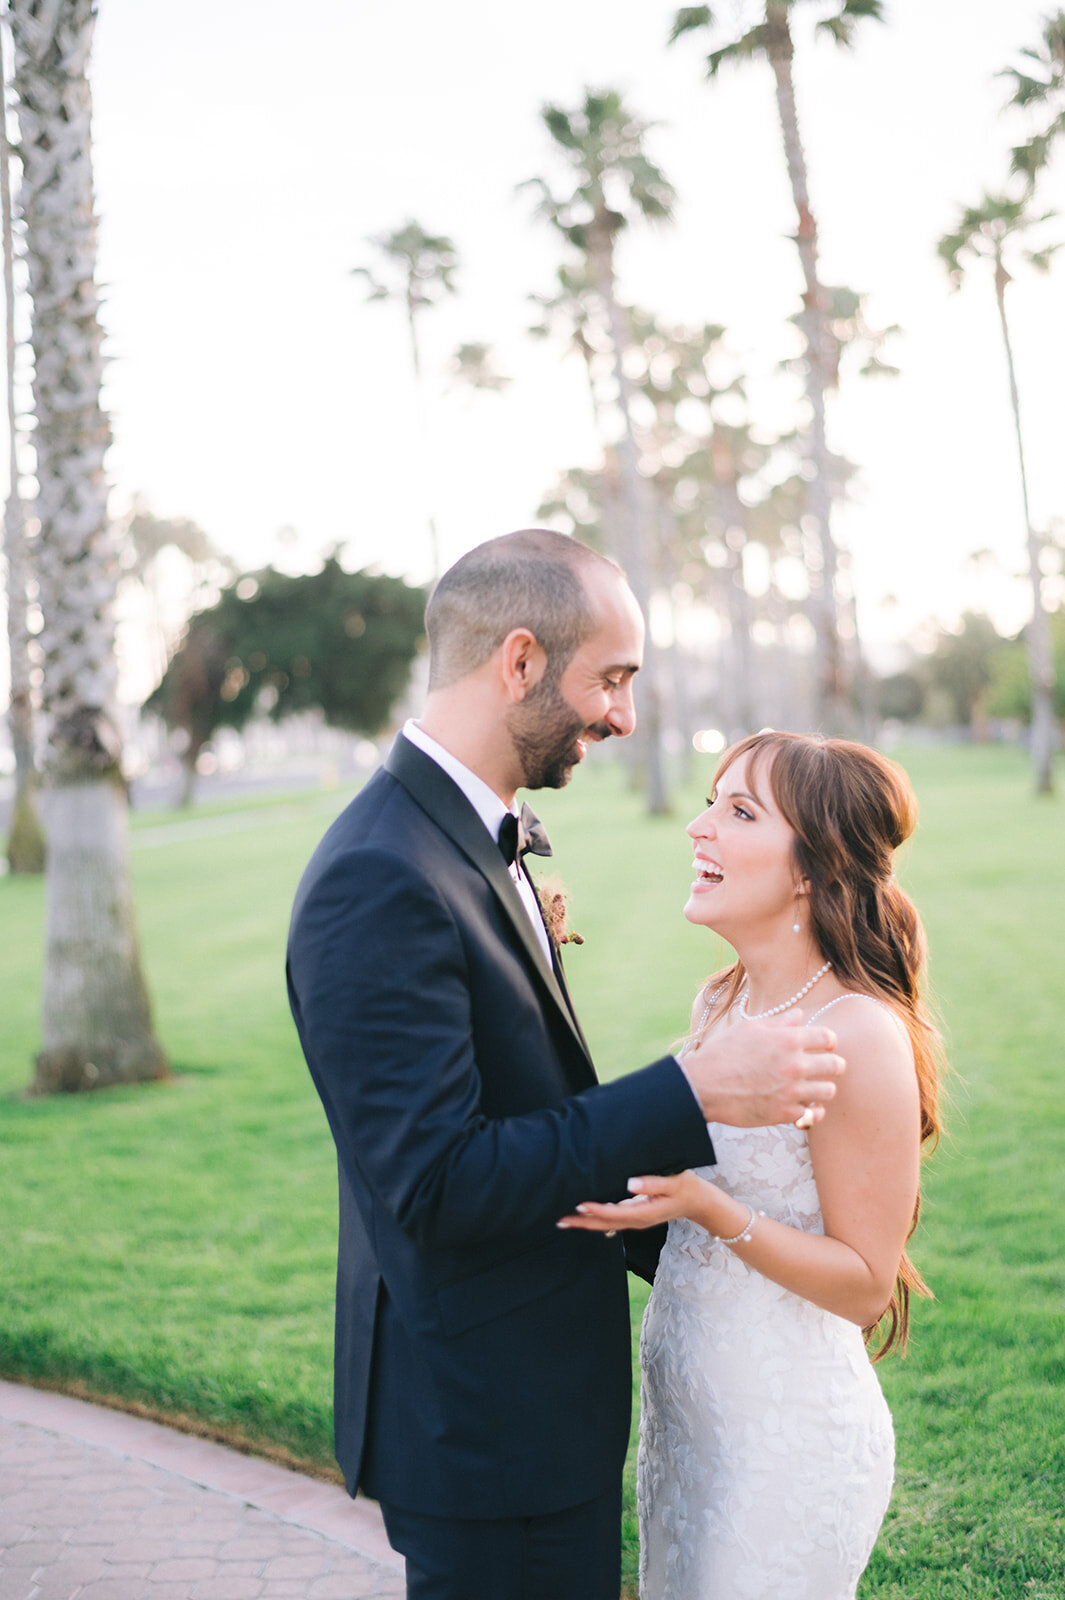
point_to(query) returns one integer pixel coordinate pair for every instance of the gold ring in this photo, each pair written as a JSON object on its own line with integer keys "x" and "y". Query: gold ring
{"x": 610, "y": 1233}
{"x": 807, "y": 1118}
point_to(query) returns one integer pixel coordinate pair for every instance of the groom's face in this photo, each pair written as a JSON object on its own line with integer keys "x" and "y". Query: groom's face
{"x": 591, "y": 698}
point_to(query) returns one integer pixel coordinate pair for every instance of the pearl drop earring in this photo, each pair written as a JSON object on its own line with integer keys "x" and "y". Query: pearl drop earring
{"x": 796, "y": 926}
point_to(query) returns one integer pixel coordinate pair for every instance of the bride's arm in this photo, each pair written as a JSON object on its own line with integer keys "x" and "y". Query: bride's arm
{"x": 865, "y": 1156}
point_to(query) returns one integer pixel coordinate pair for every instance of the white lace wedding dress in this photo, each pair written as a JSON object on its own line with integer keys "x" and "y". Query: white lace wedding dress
{"x": 766, "y": 1448}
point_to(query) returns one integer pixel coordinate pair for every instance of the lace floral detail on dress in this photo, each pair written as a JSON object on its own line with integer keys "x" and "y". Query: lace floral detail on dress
{"x": 766, "y": 1449}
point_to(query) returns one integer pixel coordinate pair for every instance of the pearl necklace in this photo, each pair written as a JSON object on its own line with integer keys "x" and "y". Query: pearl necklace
{"x": 776, "y": 1010}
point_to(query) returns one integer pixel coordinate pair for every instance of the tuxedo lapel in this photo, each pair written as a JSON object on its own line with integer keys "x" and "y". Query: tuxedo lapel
{"x": 556, "y": 961}
{"x": 446, "y": 805}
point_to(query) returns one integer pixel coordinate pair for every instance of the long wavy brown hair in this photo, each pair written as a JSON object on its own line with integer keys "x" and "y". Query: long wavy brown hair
{"x": 850, "y": 808}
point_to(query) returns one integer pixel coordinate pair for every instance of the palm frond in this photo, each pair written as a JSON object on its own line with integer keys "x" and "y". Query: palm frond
{"x": 875, "y": 367}
{"x": 841, "y": 28}
{"x": 547, "y": 205}
{"x": 375, "y": 290}
{"x": 838, "y": 29}
{"x": 949, "y": 250}
{"x": 1041, "y": 259}
{"x": 474, "y": 365}
{"x": 560, "y": 126}
{"x": 1039, "y": 90}
{"x": 688, "y": 18}
{"x": 986, "y": 229}
{"x": 1027, "y": 160}
{"x": 1026, "y": 90}
{"x": 754, "y": 42}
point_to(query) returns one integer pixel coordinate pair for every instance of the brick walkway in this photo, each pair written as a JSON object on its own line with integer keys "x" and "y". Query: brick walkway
{"x": 97, "y": 1505}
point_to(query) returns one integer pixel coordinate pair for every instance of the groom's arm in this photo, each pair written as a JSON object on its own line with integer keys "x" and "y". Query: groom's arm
{"x": 381, "y": 995}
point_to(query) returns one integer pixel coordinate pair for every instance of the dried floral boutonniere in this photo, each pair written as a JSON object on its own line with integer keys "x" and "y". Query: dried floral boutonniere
{"x": 552, "y": 897}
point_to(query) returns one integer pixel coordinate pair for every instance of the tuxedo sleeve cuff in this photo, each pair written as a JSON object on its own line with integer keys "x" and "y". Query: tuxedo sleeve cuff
{"x": 676, "y": 1124}
{"x": 687, "y": 1079}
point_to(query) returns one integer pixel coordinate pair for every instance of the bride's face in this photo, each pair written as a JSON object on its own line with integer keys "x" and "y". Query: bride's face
{"x": 745, "y": 873}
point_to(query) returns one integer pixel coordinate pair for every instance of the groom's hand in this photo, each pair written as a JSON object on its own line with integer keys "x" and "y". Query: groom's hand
{"x": 758, "y": 1074}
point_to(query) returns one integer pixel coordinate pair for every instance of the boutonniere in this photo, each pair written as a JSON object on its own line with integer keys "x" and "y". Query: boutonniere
{"x": 552, "y": 897}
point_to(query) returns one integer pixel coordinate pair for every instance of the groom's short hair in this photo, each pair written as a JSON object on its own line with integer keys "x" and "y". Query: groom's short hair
{"x": 530, "y": 579}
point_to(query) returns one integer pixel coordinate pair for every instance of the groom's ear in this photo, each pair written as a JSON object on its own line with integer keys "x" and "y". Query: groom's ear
{"x": 522, "y": 661}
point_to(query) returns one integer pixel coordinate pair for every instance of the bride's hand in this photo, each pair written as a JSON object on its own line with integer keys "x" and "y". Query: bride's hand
{"x": 654, "y": 1200}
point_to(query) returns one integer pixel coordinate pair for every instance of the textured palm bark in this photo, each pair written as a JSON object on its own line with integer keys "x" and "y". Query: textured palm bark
{"x": 832, "y": 700}
{"x": 1040, "y": 649}
{"x": 25, "y": 842}
{"x": 97, "y": 1028}
{"x": 76, "y": 558}
{"x": 96, "y": 1020}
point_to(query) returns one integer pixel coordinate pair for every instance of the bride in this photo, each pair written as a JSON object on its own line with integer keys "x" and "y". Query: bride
{"x": 766, "y": 1447}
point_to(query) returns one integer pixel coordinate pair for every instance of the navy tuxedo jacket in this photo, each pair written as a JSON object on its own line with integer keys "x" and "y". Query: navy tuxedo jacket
{"x": 482, "y": 1355}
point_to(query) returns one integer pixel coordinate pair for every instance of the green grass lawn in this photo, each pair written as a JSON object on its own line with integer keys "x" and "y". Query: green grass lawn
{"x": 172, "y": 1246}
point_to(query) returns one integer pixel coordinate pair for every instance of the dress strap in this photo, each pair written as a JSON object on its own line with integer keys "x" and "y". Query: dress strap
{"x": 709, "y": 1006}
{"x": 853, "y": 995}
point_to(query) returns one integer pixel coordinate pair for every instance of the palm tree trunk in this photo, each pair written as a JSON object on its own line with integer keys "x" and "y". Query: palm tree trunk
{"x": 96, "y": 1016}
{"x": 611, "y": 506}
{"x": 25, "y": 844}
{"x": 790, "y": 702}
{"x": 861, "y": 676}
{"x": 424, "y": 448}
{"x": 733, "y": 518}
{"x": 613, "y": 512}
{"x": 634, "y": 551}
{"x": 832, "y": 704}
{"x": 187, "y": 792}
{"x": 1040, "y": 650}
{"x": 669, "y": 543}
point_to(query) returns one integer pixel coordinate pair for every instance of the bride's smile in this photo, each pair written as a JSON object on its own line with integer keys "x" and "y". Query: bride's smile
{"x": 745, "y": 871}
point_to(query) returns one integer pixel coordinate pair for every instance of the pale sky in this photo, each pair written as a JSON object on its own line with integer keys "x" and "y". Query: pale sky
{"x": 246, "y": 148}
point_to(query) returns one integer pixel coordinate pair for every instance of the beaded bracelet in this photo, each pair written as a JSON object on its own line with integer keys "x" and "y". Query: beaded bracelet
{"x": 744, "y": 1236}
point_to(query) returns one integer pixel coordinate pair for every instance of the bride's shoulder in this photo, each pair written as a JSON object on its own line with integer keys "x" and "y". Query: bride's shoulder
{"x": 870, "y": 1035}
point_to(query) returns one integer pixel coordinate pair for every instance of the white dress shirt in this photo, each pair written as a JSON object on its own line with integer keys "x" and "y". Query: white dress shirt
{"x": 491, "y": 810}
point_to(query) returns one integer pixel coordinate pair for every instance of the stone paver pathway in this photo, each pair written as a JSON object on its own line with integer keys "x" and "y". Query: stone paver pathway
{"x": 97, "y": 1505}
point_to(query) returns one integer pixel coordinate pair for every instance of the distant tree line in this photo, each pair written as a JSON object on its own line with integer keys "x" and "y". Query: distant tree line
{"x": 974, "y": 679}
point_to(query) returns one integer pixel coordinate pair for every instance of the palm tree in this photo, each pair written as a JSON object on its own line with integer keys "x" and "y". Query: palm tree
{"x": 418, "y": 269}
{"x": 473, "y": 366}
{"x": 860, "y": 345}
{"x": 571, "y": 312}
{"x": 97, "y": 1026}
{"x": 1039, "y": 90}
{"x": 147, "y": 539}
{"x": 680, "y": 378}
{"x": 25, "y": 845}
{"x": 612, "y": 182}
{"x": 987, "y": 232}
{"x": 776, "y": 525}
{"x": 772, "y": 38}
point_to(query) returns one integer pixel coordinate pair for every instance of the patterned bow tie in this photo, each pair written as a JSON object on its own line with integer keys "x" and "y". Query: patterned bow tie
{"x": 524, "y": 835}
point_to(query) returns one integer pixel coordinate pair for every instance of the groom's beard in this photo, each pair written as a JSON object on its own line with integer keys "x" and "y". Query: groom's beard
{"x": 545, "y": 729}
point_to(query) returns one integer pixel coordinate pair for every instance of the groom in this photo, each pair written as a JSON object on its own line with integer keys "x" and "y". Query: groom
{"x": 482, "y": 1377}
